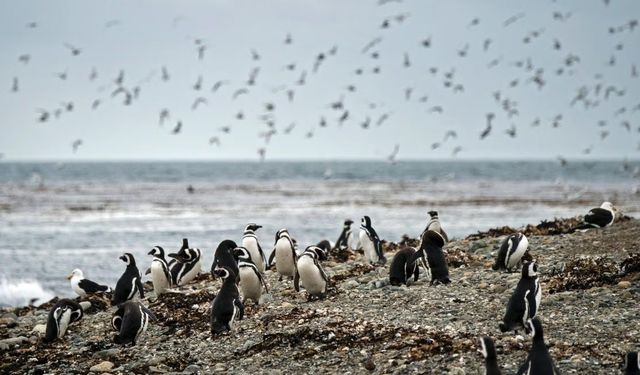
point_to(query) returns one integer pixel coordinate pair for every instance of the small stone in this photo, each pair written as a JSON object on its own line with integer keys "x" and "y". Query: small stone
{"x": 109, "y": 353}
{"x": 86, "y": 305}
{"x": 9, "y": 320}
{"x": 101, "y": 367}
{"x": 286, "y": 304}
{"x": 368, "y": 364}
{"x": 350, "y": 284}
{"x": 266, "y": 298}
{"x": 624, "y": 284}
{"x": 192, "y": 369}
{"x": 482, "y": 285}
{"x": 6, "y": 344}
{"x": 40, "y": 329}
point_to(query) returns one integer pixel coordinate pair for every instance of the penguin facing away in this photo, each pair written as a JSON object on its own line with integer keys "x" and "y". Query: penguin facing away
{"x": 310, "y": 274}
{"x": 434, "y": 225}
{"x": 284, "y": 254}
{"x": 539, "y": 361}
{"x": 370, "y": 242}
{"x": 251, "y": 280}
{"x": 432, "y": 257}
{"x": 599, "y": 217}
{"x": 61, "y": 315}
{"x": 488, "y": 350}
{"x": 186, "y": 265}
{"x": 632, "y": 363}
{"x": 511, "y": 252}
{"x": 83, "y": 286}
{"x": 343, "y": 241}
{"x": 130, "y": 321}
{"x": 226, "y": 306}
{"x": 525, "y": 300}
{"x": 225, "y": 257}
{"x": 403, "y": 267}
{"x": 325, "y": 245}
{"x": 160, "y": 274}
{"x": 250, "y": 242}
{"x": 129, "y": 283}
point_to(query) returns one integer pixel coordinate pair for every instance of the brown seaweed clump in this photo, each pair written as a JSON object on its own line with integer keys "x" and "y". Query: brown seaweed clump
{"x": 457, "y": 258}
{"x": 584, "y": 273}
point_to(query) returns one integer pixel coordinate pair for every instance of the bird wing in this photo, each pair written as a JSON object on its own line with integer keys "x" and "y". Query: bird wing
{"x": 599, "y": 216}
{"x": 91, "y": 286}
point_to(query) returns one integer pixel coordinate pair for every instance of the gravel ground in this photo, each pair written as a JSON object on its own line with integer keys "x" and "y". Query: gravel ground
{"x": 368, "y": 326}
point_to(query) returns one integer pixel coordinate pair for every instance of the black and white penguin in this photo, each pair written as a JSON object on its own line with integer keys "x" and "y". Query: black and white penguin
{"x": 434, "y": 225}
{"x": 600, "y": 217}
{"x": 403, "y": 266}
{"x": 525, "y": 300}
{"x": 226, "y": 306}
{"x": 284, "y": 254}
{"x": 488, "y": 349}
{"x": 225, "y": 257}
{"x": 130, "y": 320}
{"x": 511, "y": 252}
{"x": 129, "y": 283}
{"x": 539, "y": 361}
{"x": 632, "y": 364}
{"x": 83, "y": 286}
{"x": 185, "y": 265}
{"x": 160, "y": 274}
{"x": 370, "y": 242}
{"x": 309, "y": 273}
{"x": 61, "y": 315}
{"x": 251, "y": 280}
{"x": 432, "y": 257}
{"x": 343, "y": 241}
{"x": 326, "y": 246}
{"x": 250, "y": 242}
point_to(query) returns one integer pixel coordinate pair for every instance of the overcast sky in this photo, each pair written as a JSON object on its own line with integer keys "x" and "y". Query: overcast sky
{"x": 142, "y": 36}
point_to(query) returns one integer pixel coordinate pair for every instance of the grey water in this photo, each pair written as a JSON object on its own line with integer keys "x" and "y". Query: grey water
{"x": 55, "y": 217}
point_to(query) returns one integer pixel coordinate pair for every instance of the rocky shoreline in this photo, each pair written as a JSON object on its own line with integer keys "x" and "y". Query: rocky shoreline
{"x": 589, "y": 309}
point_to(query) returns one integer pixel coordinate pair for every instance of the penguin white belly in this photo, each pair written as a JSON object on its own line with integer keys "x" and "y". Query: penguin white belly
{"x": 369, "y": 249}
{"x": 63, "y": 323}
{"x": 284, "y": 259}
{"x": 251, "y": 244}
{"x": 158, "y": 278}
{"x": 310, "y": 277}
{"x": 76, "y": 288}
{"x": 250, "y": 284}
{"x": 190, "y": 275}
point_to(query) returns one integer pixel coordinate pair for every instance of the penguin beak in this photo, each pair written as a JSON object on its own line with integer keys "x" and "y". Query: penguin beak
{"x": 150, "y": 252}
{"x": 123, "y": 258}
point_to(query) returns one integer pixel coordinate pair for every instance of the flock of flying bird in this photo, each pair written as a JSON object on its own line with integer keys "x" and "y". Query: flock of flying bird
{"x": 530, "y": 74}
{"x": 241, "y": 269}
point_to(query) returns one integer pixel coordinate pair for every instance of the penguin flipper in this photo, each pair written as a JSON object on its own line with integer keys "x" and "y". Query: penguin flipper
{"x": 263, "y": 258}
{"x": 525, "y": 366}
{"x": 271, "y": 256}
{"x": 240, "y": 307}
{"x": 296, "y": 281}
{"x": 262, "y": 282}
{"x": 151, "y": 315}
{"x": 140, "y": 288}
{"x": 416, "y": 272}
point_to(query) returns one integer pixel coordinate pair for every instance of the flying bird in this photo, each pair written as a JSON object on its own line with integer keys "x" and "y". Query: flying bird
{"x": 75, "y": 51}
{"x": 177, "y": 128}
{"x": 75, "y": 145}
{"x": 14, "y": 86}
{"x": 198, "y": 101}
{"x": 214, "y": 141}
{"x": 392, "y": 157}
{"x": 165, "y": 74}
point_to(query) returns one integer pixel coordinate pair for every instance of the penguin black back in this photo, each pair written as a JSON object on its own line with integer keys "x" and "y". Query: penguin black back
{"x": 130, "y": 320}
{"x": 490, "y": 356}
{"x": 61, "y": 315}
{"x": 632, "y": 363}
{"x": 226, "y": 306}
{"x": 403, "y": 267}
{"x": 525, "y": 300}
{"x": 224, "y": 257}
{"x": 539, "y": 361}
{"x": 129, "y": 283}
{"x": 431, "y": 248}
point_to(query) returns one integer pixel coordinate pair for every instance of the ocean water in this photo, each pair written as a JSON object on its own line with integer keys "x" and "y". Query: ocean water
{"x": 55, "y": 217}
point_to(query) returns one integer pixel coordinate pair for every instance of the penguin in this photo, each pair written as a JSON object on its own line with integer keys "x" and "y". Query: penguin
{"x": 599, "y": 217}
{"x": 343, "y": 241}
{"x": 326, "y": 246}
{"x": 225, "y": 257}
{"x": 432, "y": 257}
{"x": 632, "y": 364}
{"x": 370, "y": 242}
{"x": 525, "y": 300}
{"x": 310, "y": 274}
{"x": 488, "y": 350}
{"x": 61, "y": 315}
{"x": 250, "y": 242}
{"x": 511, "y": 251}
{"x": 83, "y": 286}
{"x": 251, "y": 280}
{"x": 434, "y": 225}
{"x": 285, "y": 254}
{"x": 129, "y": 283}
{"x": 130, "y": 321}
{"x": 185, "y": 265}
{"x": 160, "y": 274}
{"x": 403, "y": 266}
{"x": 539, "y": 361}
{"x": 226, "y": 306}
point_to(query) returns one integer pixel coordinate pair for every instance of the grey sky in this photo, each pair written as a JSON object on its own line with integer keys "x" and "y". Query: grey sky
{"x": 150, "y": 34}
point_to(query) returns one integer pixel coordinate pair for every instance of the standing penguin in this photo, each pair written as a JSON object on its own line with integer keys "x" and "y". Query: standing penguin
{"x": 490, "y": 357}
{"x": 370, "y": 242}
{"x": 632, "y": 363}
{"x": 432, "y": 257}
{"x": 343, "y": 241}
{"x": 285, "y": 254}
{"x": 403, "y": 266}
{"x": 225, "y": 257}
{"x": 250, "y": 242}
{"x": 511, "y": 252}
{"x": 599, "y": 217}
{"x": 63, "y": 313}
{"x": 186, "y": 264}
{"x": 130, "y": 320}
{"x": 310, "y": 274}
{"x": 434, "y": 225}
{"x": 129, "y": 283}
{"x": 539, "y": 361}
{"x": 525, "y": 300}
{"x": 251, "y": 280}
{"x": 160, "y": 274}
{"x": 226, "y": 306}
{"x": 83, "y": 286}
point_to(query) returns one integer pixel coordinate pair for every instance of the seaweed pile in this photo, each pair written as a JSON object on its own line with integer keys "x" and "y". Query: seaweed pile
{"x": 589, "y": 272}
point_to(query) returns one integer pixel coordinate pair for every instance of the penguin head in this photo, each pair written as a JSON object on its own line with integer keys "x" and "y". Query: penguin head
{"x": 530, "y": 269}
{"x": 252, "y": 227}
{"x": 224, "y": 273}
{"x": 185, "y": 243}
{"x": 366, "y": 222}
{"x": 282, "y": 233}
{"x": 632, "y": 361}
{"x": 348, "y": 222}
{"x": 128, "y": 258}
{"x": 315, "y": 252}
{"x": 433, "y": 214}
{"x": 487, "y": 347}
{"x": 75, "y": 273}
{"x": 535, "y": 328}
{"x": 157, "y": 252}
{"x": 241, "y": 253}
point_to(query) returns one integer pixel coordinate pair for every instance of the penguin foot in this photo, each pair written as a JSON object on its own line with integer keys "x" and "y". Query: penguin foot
{"x": 504, "y": 328}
